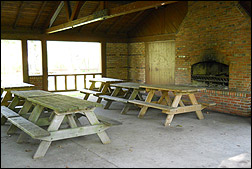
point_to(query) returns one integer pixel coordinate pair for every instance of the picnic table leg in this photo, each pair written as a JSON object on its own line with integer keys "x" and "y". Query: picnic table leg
{"x": 71, "y": 120}
{"x": 11, "y": 106}
{"x": 93, "y": 121}
{"x": 127, "y": 105}
{"x": 139, "y": 96}
{"x": 104, "y": 90}
{"x": 90, "y": 88}
{"x": 174, "y": 104}
{"x": 148, "y": 99}
{"x": 26, "y": 107}
{"x": 115, "y": 93}
{"x": 33, "y": 118}
{"x": 44, "y": 145}
{"x": 101, "y": 86}
{"x": 194, "y": 101}
{"x": 7, "y": 97}
{"x": 165, "y": 95}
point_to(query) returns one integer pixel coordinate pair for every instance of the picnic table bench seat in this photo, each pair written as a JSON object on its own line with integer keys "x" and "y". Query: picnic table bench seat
{"x": 206, "y": 104}
{"x": 152, "y": 105}
{"x": 113, "y": 98}
{"x": 25, "y": 125}
{"x": 108, "y": 121}
{"x": 174, "y": 110}
{"x": 87, "y": 91}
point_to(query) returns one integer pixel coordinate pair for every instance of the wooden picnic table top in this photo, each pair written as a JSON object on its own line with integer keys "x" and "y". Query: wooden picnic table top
{"x": 127, "y": 85}
{"x": 15, "y": 85}
{"x": 63, "y": 104}
{"x": 31, "y": 93}
{"x": 175, "y": 88}
{"x": 106, "y": 80}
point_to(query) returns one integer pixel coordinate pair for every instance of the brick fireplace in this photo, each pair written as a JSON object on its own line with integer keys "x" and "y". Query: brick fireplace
{"x": 217, "y": 32}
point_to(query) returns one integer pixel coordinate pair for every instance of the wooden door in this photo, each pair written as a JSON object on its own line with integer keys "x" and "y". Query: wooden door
{"x": 160, "y": 62}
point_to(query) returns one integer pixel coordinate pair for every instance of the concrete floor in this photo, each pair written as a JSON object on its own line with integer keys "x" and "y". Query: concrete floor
{"x": 219, "y": 140}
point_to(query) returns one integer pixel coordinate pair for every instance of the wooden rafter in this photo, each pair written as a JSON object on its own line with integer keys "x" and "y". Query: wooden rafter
{"x": 47, "y": 22}
{"x": 18, "y": 14}
{"x": 117, "y": 11}
{"x": 91, "y": 12}
{"x": 56, "y": 13}
{"x": 39, "y": 14}
{"x": 76, "y": 10}
{"x": 136, "y": 6}
{"x": 68, "y": 10}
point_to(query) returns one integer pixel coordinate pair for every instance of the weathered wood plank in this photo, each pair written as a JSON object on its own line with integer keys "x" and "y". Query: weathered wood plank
{"x": 31, "y": 93}
{"x": 7, "y": 113}
{"x": 28, "y": 127}
{"x": 70, "y": 104}
{"x": 113, "y": 98}
{"x": 108, "y": 121}
{"x": 174, "y": 88}
{"x": 153, "y": 105}
{"x": 87, "y": 91}
{"x": 74, "y": 132}
{"x": 127, "y": 85}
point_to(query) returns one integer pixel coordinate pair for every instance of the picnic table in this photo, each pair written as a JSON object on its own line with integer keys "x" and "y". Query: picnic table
{"x": 133, "y": 92}
{"x": 169, "y": 106}
{"x": 104, "y": 88}
{"x": 64, "y": 109}
{"x": 8, "y": 87}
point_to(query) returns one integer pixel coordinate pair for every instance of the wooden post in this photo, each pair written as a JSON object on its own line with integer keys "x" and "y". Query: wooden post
{"x": 44, "y": 65}
{"x": 103, "y": 59}
{"x": 25, "y": 61}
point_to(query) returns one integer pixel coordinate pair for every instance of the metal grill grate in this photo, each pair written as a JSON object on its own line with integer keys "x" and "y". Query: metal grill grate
{"x": 210, "y": 78}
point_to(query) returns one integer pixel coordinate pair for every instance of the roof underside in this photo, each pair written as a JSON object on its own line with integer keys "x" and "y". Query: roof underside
{"x": 41, "y": 15}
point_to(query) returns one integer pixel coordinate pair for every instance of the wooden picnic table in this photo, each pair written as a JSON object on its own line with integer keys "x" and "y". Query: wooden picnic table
{"x": 8, "y": 87}
{"x": 133, "y": 92}
{"x": 18, "y": 96}
{"x": 63, "y": 108}
{"x": 171, "y": 106}
{"x": 104, "y": 88}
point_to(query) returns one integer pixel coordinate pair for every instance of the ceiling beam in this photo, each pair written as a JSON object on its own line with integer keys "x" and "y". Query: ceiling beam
{"x": 47, "y": 22}
{"x": 114, "y": 12}
{"x": 91, "y": 12}
{"x": 137, "y": 6}
{"x": 39, "y": 14}
{"x": 68, "y": 10}
{"x": 56, "y": 13}
{"x": 76, "y": 10}
{"x": 18, "y": 14}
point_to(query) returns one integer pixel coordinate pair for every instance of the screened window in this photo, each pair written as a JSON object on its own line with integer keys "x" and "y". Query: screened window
{"x": 73, "y": 57}
{"x": 11, "y": 61}
{"x": 66, "y": 57}
{"x": 34, "y": 57}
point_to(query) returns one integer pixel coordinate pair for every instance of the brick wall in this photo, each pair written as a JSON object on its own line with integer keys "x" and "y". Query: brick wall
{"x": 37, "y": 81}
{"x": 220, "y": 31}
{"x": 136, "y": 62}
{"x": 238, "y": 103}
{"x": 126, "y": 61}
{"x": 117, "y": 60}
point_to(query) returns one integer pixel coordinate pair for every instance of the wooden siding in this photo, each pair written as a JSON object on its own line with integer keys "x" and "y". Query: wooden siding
{"x": 161, "y": 21}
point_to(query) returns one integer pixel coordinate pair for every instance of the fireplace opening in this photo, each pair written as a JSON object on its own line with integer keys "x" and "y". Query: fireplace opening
{"x": 211, "y": 74}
